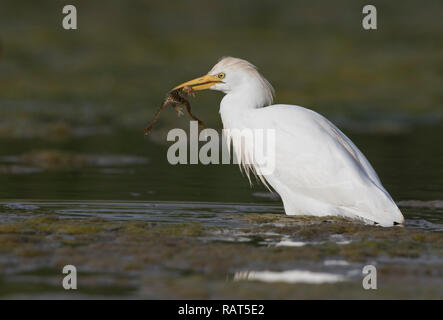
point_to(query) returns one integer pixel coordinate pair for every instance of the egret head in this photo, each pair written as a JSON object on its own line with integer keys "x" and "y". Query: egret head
{"x": 235, "y": 76}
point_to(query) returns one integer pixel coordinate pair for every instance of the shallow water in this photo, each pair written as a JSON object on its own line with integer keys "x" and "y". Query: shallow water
{"x": 207, "y": 214}
{"x": 135, "y": 226}
{"x": 210, "y": 250}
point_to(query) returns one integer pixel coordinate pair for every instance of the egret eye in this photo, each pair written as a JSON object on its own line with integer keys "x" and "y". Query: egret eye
{"x": 221, "y": 75}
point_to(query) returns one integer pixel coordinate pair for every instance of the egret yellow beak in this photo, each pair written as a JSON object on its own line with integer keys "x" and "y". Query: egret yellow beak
{"x": 201, "y": 83}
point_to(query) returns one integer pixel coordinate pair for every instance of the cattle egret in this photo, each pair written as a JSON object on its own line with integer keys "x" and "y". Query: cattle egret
{"x": 318, "y": 170}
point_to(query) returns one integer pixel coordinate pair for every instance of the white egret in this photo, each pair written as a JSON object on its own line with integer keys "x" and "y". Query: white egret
{"x": 318, "y": 169}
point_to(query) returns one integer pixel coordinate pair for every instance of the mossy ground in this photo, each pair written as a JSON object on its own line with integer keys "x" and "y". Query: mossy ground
{"x": 191, "y": 260}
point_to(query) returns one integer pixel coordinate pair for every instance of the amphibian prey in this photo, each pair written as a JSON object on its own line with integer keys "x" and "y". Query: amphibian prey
{"x": 176, "y": 98}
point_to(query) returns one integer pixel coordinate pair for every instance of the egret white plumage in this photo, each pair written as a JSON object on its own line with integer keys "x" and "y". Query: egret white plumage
{"x": 318, "y": 170}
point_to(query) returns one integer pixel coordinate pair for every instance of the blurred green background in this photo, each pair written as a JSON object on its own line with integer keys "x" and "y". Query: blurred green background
{"x": 65, "y": 93}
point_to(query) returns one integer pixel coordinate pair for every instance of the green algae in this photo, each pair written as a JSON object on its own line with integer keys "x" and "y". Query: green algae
{"x": 191, "y": 265}
{"x": 182, "y": 229}
{"x": 10, "y": 228}
{"x": 52, "y": 224}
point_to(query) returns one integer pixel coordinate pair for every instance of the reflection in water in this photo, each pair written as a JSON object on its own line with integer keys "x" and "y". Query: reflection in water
{"x": 289, "y": 276}
{"x": 335, "y": 263}
{"x": 437, "y": 204}
{"x": 290, "y": 243}
{"x": 208, "y": 214}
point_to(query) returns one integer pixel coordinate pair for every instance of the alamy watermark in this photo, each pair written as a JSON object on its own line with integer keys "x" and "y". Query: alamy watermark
{"x": 70, "y": 280}
{"x": 370, "y": 278}
{"x": 70, "y": 19}
{"x": 369, "y": 21}
{"x": 253, "y": 148}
